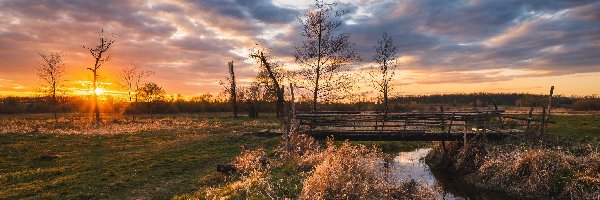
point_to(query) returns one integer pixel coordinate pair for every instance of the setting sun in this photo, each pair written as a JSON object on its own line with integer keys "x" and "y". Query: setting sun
{"x": 99, "y": 91}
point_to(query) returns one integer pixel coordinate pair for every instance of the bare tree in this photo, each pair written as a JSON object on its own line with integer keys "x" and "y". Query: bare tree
{"x": 230, "y": 87}
{"x": 324, "y": 53}
{"x": 382, "y": 74}
{"x": 132, "y": 78}
{"x": 101, "y": 55}
{"x": 274, "y": 74}
{"x": 51, "y": 70}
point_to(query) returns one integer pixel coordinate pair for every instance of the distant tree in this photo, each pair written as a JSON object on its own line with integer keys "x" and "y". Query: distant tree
{"x": 230, "y": 87}
{"x": 51, "y": 70}
{"x": 101, "y": 55}
{"x": 385, "y": 58}
{"x": 151, "y": 92}
{"x": 273, "y": 73}
{"x": 253, "y": 95}
{"x": 324, "y": 52}
{"x": 207, "y": 97}
{"x": 132, "y": 78}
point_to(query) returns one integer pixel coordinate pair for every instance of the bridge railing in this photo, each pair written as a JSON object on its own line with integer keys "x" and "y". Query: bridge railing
{"x": 322, "y": 124}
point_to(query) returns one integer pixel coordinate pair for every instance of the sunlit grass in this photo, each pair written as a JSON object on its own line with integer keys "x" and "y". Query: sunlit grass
{"x": 168, "y": 155}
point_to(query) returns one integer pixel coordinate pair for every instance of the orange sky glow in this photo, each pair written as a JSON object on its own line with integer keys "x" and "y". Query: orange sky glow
{"x": 513, "y": 47}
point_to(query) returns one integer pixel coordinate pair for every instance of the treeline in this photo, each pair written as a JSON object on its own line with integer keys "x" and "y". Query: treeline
{"x": 76, "y": 104}
{"x": 489, "y": 99}
{"x": 207, "y": 104}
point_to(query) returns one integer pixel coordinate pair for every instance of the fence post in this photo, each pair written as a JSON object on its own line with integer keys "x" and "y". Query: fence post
{"x": 450, "y": 126}
{"x": 292, "y": 120}
{"x": 443, "y": 118}
{"x": 543, "y": 121}
{"x": 549, "y": 106}
{"x": 497, "y": 112}
{"x": 529, "y": 119}
{"x": 465, "y": 134}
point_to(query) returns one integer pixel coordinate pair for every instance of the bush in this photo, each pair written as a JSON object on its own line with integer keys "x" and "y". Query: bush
{"x": 255, "y": 180}
{"x": 591, "y": 104}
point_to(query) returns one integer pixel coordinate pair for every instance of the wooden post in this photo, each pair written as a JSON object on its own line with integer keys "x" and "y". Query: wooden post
{"x": 450, "y": 126}
{"x": 495, "y": 105}
{"x": 443, "y": 118}
{"x": 550, "y": 100}
{"x": 499, "y": 115}
{"x": 292, "y": 121}
{"x": 549, "y": 106}
{"x": 443, "y": 128}
{"x": 543, "y": 122}
{"x": 465, "y": 134}
{"x": 529, "y": 119}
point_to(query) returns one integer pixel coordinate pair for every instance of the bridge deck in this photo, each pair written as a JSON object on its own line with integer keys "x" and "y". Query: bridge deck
{"x": 424, "y": 126}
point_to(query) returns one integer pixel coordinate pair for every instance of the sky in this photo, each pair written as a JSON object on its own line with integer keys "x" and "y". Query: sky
{"x": 444, "y": 46}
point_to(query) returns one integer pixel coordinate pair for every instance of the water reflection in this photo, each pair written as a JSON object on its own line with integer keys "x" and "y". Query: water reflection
{"x": 410, "y": 165}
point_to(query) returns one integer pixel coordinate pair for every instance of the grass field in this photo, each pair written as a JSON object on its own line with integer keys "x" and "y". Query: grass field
{"x": 157, "y": 157}
{"x": 575, "y": 127}
{"x": 152, "y": 163}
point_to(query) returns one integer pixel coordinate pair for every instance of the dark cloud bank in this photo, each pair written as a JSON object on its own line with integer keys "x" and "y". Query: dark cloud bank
{"x": 191, "y": 40}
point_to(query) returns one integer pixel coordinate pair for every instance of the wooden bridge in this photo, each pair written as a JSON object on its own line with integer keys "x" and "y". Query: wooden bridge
{"x": 413, "y": 126}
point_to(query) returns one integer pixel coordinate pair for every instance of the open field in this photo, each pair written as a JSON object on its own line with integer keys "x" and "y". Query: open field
{"x": 157, "y": 162}
{"x": 159, "y": 156}
{"x": 577, "y": 127}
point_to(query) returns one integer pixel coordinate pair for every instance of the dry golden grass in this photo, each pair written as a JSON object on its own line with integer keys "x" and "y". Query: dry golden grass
{"x": 530, "y": 171}
{"x": 357, "y": 172}
{"x": 335, "y": 172}
{"x": 541, "y": 172}
{"x": 110, "y": 125}
{"x": 254, "y": 182}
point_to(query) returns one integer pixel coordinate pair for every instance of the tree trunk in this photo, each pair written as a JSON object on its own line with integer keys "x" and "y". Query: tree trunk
{"x": 385, "y": 101}
{"x": 233, "y": 92}
{"x": 54, "y": 104}
{"x": 131, "y": 105}
{"x": 252, "y": 109}
{"x": 96, "y": 109}
{"x": 278, "y": 88}
{"x": 280, "y": 103}
{"x": 319, "y": 54}
{"x": 135, "y": 105}
{"x": 316, "y": 92}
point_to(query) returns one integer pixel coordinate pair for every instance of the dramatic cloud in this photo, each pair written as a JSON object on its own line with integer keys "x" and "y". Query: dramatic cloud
{"x": 187, "y": 43}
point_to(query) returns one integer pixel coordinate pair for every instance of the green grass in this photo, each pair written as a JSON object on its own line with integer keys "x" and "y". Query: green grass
{"x": 155, "y": 164}
{"x": 575, "y": 127}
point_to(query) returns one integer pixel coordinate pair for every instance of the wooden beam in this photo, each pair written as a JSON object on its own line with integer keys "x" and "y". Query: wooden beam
{"x": 404, "y": 136}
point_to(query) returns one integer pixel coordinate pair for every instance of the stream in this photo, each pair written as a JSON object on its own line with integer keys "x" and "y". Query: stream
{"x": 410, "y": 165}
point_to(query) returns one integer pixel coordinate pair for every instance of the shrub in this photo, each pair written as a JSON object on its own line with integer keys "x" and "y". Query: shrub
{"x": 589, "y": 104}
{"x": 254, "y": 182}
{"x": 249, "y": 161}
